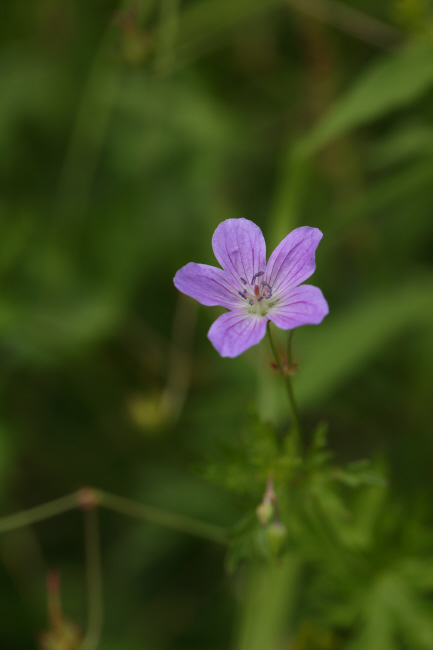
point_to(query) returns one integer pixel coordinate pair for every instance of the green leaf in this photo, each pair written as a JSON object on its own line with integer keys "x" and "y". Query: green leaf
{"x": 345, "y": 342}
{"x": 359, "y": 473}
{"x": 391, "y": 83}
{"x": 408, "y": 141}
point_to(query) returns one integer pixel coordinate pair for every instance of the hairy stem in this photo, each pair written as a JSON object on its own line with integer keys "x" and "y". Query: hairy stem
{"x": 289, "y": 388}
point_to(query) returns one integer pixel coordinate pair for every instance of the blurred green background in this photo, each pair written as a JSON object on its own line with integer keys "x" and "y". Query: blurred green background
{"x": 128, "y": 131}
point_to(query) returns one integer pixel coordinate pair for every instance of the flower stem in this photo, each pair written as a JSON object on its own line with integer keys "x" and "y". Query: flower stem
{"x": 289, "y": 387}
{"x": 94, "y": 580}
{"x": 39, "y": 513}
{"x": 289, "y": 350}
{"x": 168, "y": 519}
{"x": 90, "y": 497}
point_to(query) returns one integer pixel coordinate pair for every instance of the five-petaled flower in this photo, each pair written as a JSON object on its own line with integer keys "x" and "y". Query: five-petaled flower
{"x": 253, "y": 291}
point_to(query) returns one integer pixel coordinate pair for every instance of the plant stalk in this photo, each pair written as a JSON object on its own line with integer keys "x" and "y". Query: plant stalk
{"x": 287, "y": 380}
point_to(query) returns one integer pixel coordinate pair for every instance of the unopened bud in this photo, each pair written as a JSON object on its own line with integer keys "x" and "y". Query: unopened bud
{"x": 271, "y": 541}
{"x": 276, "y": 537}
{"x": 265, "y": 512}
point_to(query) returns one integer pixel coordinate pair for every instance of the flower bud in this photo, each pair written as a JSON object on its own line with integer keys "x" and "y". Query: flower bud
{"x": 271, "y": 541}
{"x": 276, "y": 538}
{"x": 265, "y": 512}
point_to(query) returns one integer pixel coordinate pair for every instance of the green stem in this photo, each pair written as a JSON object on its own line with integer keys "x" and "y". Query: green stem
{"x": 289, "y": 350}
{"x": 163, "y": 518}
{"x": 289, "y": 388}
{"x": 112, "y": 502}
{"x": 94, "y": 580}
{"x": 269, "y": 603}
{"x": 39, "y": 513}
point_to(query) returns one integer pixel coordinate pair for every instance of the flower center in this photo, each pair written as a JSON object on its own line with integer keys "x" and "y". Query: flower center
{"x": 257, "y": 295}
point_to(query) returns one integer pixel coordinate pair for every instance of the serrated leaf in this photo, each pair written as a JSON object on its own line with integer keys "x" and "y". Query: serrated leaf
{"x": 357, "y": 474}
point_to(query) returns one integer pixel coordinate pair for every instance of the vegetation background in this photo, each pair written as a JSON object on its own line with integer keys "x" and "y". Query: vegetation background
{"x": 128, "y": 131}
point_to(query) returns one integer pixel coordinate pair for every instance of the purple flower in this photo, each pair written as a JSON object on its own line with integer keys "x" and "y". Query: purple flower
{"x": 253, "y": 291}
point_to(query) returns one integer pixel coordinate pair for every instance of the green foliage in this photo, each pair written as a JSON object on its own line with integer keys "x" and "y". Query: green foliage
{"x": 308, "y": 504}
{"x": 244, "y": 465}
{"x": 128, "y": 131}
{"x": 361, "y": 330}
{"x": 392, "y": 83}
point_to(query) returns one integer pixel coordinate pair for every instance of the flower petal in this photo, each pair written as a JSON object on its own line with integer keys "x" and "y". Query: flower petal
{"x": 240, "y": 248}
{"x": 292, "y": 261}
{"x": 236, "y": 331}
{"x": 207, "y": 284}
{"x": 304, "y": 305}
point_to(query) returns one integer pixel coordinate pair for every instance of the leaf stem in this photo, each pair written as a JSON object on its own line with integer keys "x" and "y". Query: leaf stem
{"x": 289, "y": 387}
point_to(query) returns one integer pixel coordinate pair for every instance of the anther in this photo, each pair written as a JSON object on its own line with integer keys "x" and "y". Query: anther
{"x": 251, "y": 302}
{"x": 268, "y": 287}
{"x": 243, "y": 281}
{"x": 259, "y": 299}
{"x": 257, "y": 275}
{"x": 241, "y": 293}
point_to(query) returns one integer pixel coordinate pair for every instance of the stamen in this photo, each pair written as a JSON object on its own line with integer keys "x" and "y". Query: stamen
{"x": 259, "y": 299}
{"x": 268, "y": 287}
{"x": 242, "y": 294}
{"x": 243, "y": 281}
{"x": 257, "y": 275}
{"x": 251, "y": 302}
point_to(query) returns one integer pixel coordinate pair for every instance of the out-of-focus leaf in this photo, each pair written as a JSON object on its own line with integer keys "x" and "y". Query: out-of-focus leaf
{"x": 6, "y": 455}
{"x": 29, "y": 90}
{"x": 359, "y": 473}
{"x": 389, "y": 84}
{"x": 413, "y": 180}
{"x": 391, "y": 610}
{"x": 46, "y": 333}
{"x": 406, "y": 142}
{"x": 345, "y": 342}
{"x": 203, "y": 24}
